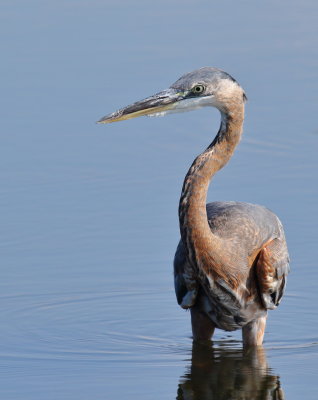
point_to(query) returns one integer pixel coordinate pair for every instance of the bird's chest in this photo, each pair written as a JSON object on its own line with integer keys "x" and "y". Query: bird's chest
{"x": 228, "y": 309}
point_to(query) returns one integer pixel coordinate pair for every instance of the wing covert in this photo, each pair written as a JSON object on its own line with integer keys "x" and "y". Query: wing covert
{"x": 272, "y": 268}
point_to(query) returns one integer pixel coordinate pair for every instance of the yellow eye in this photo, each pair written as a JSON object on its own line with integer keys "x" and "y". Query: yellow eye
{"x": 197, "y": 89}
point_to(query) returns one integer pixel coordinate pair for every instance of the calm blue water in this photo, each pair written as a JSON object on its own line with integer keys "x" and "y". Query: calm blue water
{"x": 89, "y": 213}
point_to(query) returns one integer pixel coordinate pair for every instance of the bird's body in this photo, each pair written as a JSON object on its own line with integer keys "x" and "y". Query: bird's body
{"x": 232, "y": 261}
{"x": 244, "y": 230}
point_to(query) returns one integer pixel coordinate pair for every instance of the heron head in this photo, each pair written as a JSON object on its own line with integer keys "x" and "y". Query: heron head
{"x": 203, "y": 87}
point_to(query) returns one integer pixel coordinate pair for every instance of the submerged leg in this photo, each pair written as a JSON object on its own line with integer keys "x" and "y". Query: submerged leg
{"x": 253, "y": 332}
{"x": 202, "y": 326}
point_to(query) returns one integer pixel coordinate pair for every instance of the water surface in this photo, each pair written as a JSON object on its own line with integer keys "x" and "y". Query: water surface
{"x": 89, "y": 213}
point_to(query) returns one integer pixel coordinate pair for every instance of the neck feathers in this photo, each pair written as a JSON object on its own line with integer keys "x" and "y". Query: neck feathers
{"x": 204, "y": 248}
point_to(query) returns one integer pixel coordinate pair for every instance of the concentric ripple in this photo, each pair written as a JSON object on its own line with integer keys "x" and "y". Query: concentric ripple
{"x": 116, "y": 326}
{"x": 121, "y": 325}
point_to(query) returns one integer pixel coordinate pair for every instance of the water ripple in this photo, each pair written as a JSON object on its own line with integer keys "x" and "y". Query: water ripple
{"x": 115, "y": 326}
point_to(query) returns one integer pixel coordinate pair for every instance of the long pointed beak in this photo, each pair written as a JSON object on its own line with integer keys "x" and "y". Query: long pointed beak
{"x": 158, "y": 103}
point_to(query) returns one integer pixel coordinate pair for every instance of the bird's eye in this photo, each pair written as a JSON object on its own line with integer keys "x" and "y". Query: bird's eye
{"x": 197, "y": 89}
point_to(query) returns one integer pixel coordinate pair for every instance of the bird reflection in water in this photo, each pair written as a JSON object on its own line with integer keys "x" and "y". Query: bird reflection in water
{"x": 229, "y": 374}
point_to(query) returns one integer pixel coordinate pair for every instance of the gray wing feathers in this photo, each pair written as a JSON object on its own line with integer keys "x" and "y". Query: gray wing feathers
{"x": 272, "y": 268}
{"x": 185, "y": 283}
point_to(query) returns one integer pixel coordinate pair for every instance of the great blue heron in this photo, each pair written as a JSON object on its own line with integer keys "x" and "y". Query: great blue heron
{"x": 231, "y": 264}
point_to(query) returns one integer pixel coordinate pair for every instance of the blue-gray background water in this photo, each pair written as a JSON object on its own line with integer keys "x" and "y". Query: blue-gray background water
{"x": 89, "y": 213}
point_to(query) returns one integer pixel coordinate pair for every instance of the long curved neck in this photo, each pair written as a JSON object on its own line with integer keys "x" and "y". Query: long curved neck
{"x": 204, "y": 249}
